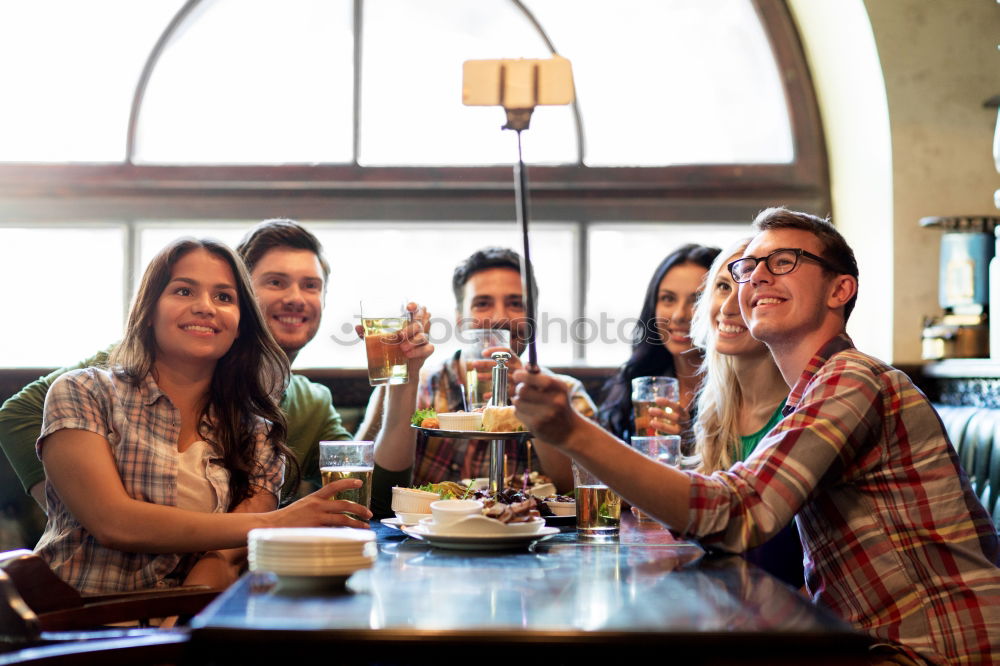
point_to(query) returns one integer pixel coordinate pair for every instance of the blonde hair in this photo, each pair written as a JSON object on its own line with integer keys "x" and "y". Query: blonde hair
{"x": 716, "y": 430}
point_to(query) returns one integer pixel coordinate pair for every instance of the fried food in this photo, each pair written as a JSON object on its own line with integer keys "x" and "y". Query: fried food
{"x": 501, "y": 419}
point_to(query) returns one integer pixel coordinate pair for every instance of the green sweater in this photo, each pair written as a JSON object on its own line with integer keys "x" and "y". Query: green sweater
{"x": 750, "y": 442}
{"x": 308, "y": 409}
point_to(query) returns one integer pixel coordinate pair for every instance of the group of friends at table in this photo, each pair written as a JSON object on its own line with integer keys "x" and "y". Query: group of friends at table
{"x": 156, "y": 457}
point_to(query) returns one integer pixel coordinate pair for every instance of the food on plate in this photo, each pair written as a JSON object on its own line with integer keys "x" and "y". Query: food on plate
{"x": 460, "y": 420}
{"x": 421, "y": 414}
{"x": 560, "y": 505}
{"x": 447, "y": 490}
{"x": 501, "y": 419}
{"x": 536, "y": 484}
{"x": 425, "y": 418}
{"x": 518, "y": 512}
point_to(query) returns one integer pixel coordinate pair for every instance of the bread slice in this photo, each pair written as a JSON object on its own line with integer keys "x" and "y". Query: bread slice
{"x": 501, "y": 419}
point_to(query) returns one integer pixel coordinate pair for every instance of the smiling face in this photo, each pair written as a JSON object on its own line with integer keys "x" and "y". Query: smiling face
{"x": 197, "y": 316}
{"x": 675, "y": 299}
{"x": 494, "y": 299}
{"x": 790, "y": 307}
{"x": 730, "y": 332}
{"x": 289, "y": 287}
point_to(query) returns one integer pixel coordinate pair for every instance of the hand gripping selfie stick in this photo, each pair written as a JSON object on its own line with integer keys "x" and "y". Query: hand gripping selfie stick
{"x": 518, "y": 86}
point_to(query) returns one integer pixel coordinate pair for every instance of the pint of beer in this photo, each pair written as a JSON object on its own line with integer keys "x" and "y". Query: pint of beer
{"x": 349, "y": 460}
{"x": 386, "y": 361}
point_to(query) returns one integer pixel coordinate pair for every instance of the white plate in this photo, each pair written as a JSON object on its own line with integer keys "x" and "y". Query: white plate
{"x": 474, "y": 434}
{"x": 295, "y": 584}
{"x": 494, "y": 542}
{"x": 329, "y": 536}
{"x": 410, "y": 518}
{"x": 288, "y": 570}
{"x": 474, "y": 526}
{"x": 273, "y": 564}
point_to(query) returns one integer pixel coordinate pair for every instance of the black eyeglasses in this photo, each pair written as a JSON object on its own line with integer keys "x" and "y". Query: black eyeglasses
{"x": 781, "y": 261}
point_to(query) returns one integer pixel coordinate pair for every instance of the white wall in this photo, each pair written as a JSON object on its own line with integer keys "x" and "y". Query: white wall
{"x": 854, "y": 111}
{"x": 938, "y": 62}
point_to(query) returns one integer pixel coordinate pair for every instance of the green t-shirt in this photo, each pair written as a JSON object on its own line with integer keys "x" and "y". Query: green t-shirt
{"x": 307, "y": 405}
{"x": 749, "y": 442}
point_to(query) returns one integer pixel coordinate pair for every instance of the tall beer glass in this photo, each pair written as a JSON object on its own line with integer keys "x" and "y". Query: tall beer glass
{"x": 349, "y": 460}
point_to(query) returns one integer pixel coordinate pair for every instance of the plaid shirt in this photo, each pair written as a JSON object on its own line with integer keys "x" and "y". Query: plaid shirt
{"x": 895, "y": 540}
{"x": 142, "y": 426}
{"x": 445, "y": 459}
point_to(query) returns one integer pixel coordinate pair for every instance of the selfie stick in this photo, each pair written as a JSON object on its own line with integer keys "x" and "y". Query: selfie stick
{"x": 518, "y": 86}
{"x": 521, "y": 195}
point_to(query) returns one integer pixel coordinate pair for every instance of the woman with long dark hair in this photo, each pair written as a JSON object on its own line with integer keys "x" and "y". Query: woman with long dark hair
{"x": 661, "y": 341}
{"x": 158, "y": 466}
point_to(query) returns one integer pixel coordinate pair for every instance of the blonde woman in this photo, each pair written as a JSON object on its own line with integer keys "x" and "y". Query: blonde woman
{"x": 740, "y": 400}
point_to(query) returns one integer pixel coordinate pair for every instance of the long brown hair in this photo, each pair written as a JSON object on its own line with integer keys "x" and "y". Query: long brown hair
{"x": 247, "y": 380}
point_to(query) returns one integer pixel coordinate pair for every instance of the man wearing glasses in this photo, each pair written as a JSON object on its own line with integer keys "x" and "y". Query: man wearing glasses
{"x": 895, "y": 540}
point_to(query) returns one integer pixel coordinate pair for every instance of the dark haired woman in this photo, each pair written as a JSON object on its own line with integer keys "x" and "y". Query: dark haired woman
{"x": 661, "y": 342}
{"x": 158, "y": 465}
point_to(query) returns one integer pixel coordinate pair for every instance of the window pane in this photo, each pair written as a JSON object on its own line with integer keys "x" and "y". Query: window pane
{"x": 415, "y": 262}
{"x": 623, "y": 258}
{"x": 67, "y": 302}
{"x": 411, "y": 97}
{"x": 253, "y": 81}
{"x": 68, "y": 70}
{"x": 154, "y": 237}
{"x": 671, "y": 81}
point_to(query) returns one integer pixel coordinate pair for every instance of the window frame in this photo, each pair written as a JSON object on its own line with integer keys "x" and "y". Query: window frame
{"x": 123, "y": 192}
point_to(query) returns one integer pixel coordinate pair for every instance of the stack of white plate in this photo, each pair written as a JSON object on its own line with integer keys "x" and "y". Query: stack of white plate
{"x": 311, "y": 551}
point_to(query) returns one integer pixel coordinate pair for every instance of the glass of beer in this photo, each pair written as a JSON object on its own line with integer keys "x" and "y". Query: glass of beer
{"x": 645, "y": 390}
{"x": 598, "y": 508}
{"x": 665, "y": 449}
{"x": 383, "y": 327}
{"x": 479, "y": 381}
{"x": 349, "y": 460}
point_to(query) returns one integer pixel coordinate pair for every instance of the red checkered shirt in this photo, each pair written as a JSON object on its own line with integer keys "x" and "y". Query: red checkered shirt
{"x": 444, "y": 459}
{"x": 895, "y": 540}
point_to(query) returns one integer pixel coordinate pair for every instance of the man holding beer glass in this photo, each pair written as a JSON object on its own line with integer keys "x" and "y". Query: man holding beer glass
{"x": 290, "y": 278}
{"x": 488, "y": 295}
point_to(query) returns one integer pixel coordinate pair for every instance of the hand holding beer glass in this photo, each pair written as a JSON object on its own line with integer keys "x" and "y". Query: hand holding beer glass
{"x": 645, "y": 391}
{"x": 475, "y": 367}
{"x": 349, "y": 460}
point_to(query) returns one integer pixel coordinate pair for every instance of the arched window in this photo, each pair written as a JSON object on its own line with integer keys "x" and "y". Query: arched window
{"x": 136, "y": 122}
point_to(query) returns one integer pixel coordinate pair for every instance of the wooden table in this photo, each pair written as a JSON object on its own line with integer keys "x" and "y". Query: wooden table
{"x": 563, "y": 601}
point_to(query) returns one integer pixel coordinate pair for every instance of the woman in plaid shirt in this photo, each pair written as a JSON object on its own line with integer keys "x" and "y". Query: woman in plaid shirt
{"x": 159, "y": 466}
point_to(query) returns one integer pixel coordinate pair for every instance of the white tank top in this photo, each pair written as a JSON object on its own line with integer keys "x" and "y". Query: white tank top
{"x": 194, "y": 491}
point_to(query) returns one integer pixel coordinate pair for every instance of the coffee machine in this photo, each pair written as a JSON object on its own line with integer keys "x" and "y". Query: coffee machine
{"x": 968, "y": 246}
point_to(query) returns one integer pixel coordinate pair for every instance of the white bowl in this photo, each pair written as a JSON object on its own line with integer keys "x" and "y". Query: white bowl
{"x": 461, "y": 420}
{"x": 446, "y": 512}
{"x": 562, "y": 508}
{"x": 411, "y": 500}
